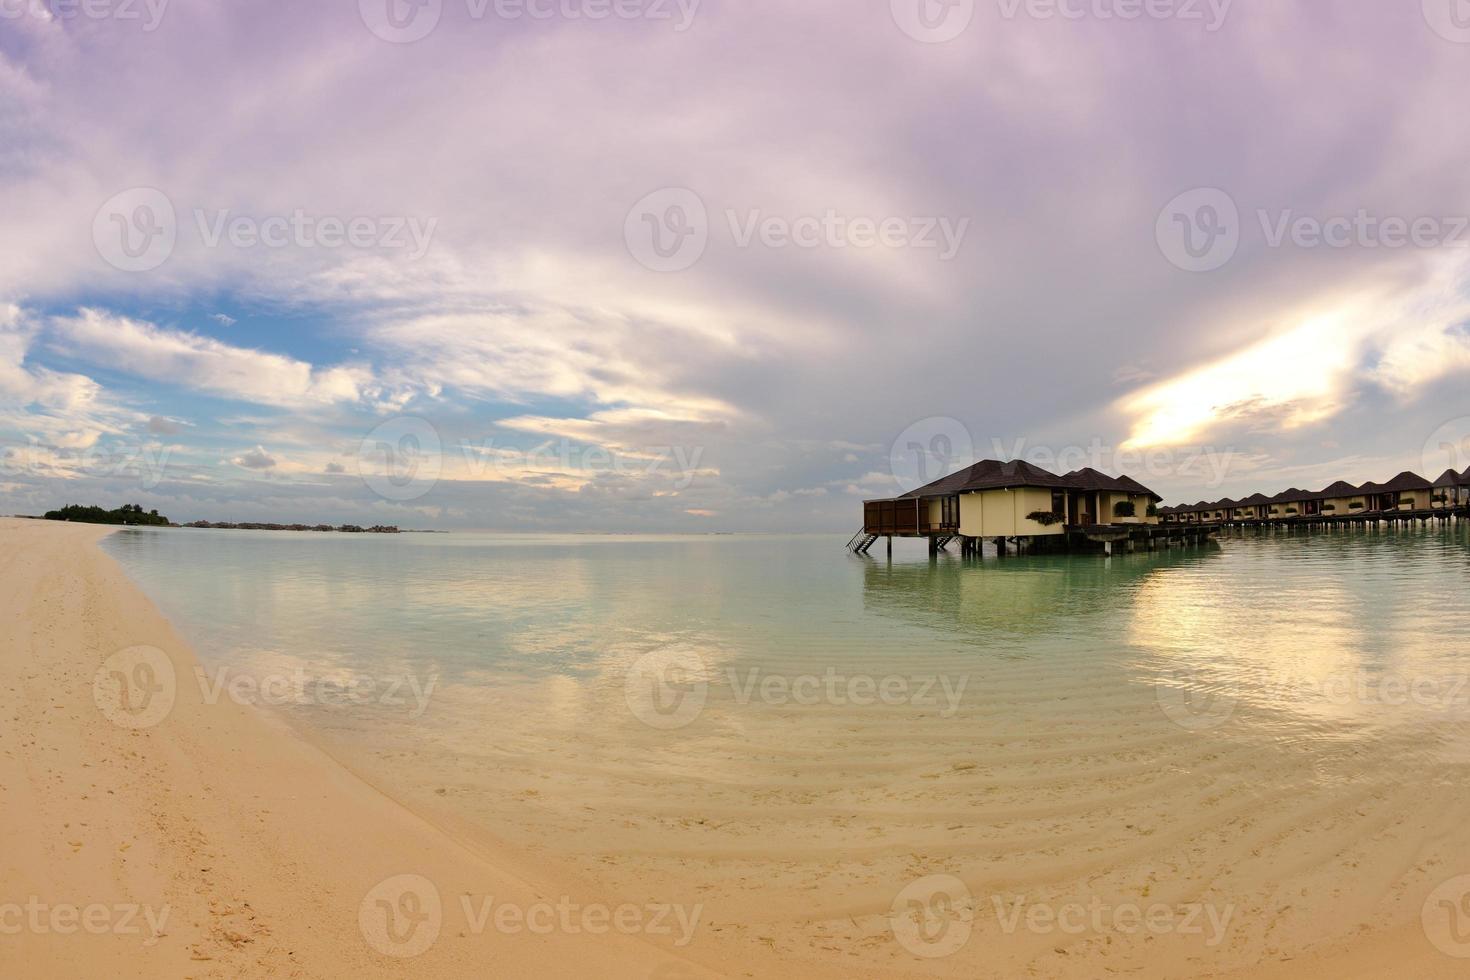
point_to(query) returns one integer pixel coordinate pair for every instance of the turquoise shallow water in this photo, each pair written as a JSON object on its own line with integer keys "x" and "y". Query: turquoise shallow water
{"x": 538, "y": 606}
{"x": 1278, "y": 722}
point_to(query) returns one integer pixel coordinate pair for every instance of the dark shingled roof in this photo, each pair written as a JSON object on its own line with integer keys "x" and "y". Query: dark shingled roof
{"x": 990, "y": 474}
{"x": 1254, "y": 499}
{"x": 1407, "y": 481}
{"x": 1449, "y": 478}
{"x": 1293, "y": 496}
{"x": 1091, "y": 479}
{"x": 1341, "y": 488}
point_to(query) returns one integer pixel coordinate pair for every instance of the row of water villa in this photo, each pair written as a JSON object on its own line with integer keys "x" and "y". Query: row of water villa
{"x": 1406, "y": 497}
{"x": 1019, "y": 503}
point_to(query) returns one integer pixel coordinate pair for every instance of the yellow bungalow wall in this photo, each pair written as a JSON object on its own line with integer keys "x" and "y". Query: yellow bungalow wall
{"x": 1002, "y": 513}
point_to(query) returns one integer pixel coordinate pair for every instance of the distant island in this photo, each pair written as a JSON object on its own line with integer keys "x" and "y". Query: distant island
{"x": 134, "y": 515}
{"x": 341, "y": 529}
{"x": 126, "y": 514}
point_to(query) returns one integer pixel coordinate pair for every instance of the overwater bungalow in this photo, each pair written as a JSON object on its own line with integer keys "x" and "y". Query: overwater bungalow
{"x": 1014, "y": 501}
{"x": 1449, "y": 491}
{"x": 1116, "y": 499}
{"x": 1405, "y": 492}
{"x": 1292, "y": 503}
{"x": 1342, "y": 499}
{"x": 1253, "y": 507}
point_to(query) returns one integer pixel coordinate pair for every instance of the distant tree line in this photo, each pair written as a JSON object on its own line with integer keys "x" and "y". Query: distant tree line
{"x": 126, "y": 514}
{"x": 344, "y": 529}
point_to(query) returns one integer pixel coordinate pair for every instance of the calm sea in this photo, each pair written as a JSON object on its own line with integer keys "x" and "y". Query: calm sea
{"x": 1277, "y": 722}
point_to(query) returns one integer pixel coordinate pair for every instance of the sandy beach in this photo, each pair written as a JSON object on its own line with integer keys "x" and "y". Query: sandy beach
{"x": 185, "y": 836}
{"x": 249, "y": 852}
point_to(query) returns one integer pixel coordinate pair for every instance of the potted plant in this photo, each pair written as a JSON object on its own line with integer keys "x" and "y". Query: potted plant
{"x": 1126, "y": 512}
{"x": 1046, "y": 518}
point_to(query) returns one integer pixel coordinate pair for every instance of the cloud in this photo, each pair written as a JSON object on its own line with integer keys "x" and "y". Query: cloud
{"x": 255, "y": 459}
{"x": 529, "y": 323}
{"x": 160, "y": 426}
{"x": 202, "y": 363}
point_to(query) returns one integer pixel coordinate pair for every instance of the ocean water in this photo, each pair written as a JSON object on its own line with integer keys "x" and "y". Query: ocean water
{"x": 1273, "y": 727}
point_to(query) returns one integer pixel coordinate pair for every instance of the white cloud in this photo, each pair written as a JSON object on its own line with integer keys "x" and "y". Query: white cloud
{"x": 255, "y": 459}
{"x": 204, "y": 364}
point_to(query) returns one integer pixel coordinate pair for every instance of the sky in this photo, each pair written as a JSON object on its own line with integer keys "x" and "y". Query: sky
{"x": 704, "y": 265}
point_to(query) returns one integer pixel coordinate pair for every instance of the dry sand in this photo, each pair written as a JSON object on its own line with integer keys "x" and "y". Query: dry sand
{"x": 267, "y": 856}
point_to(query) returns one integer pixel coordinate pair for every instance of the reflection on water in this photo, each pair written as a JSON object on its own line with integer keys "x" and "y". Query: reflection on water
{"x": 1017, "y": 597}
{"x": 1277, "y": 724}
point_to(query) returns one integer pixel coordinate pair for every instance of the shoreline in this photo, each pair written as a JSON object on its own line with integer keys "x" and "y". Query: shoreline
{"x": 257, "y": 851}
{"x": 250, "y": 851}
